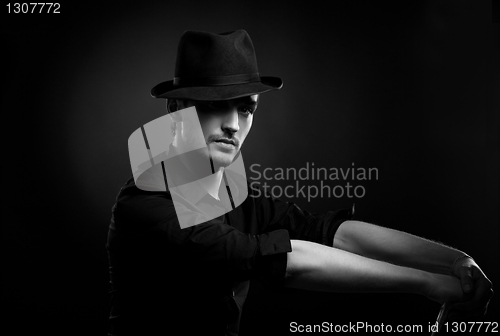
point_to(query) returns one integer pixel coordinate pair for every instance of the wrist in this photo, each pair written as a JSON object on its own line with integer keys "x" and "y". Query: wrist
{"x": 441, "y": 288}
{"x": 427, "y": 283}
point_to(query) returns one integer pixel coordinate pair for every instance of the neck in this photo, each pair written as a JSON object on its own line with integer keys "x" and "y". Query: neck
{"x": 212, "y": 183}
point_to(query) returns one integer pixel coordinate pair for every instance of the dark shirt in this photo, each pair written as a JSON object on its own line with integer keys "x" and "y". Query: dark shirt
{"x": 165, "y": 278}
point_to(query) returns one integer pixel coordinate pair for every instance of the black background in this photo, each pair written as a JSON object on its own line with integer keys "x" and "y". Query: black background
{"x": 411, "y": 88}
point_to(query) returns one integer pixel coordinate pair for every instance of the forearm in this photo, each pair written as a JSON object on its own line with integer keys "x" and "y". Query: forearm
{"x": 396, "y": 247}
{"x": 313, "y": 266}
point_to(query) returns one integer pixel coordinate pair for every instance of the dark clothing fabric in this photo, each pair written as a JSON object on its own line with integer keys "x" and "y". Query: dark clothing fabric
{"x": 164, "y": 278}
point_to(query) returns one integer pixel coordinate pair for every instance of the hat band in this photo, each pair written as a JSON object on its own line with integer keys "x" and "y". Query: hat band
{"x": 216, "y": 80}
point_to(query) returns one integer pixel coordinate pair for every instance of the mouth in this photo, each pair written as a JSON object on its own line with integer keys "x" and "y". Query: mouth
{"x": 226, "y": 141}
{"x": 226, "y": 145}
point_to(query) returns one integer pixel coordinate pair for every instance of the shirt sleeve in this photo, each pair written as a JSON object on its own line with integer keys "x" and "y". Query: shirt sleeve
{"x": 140, "y": 215}
{"x": 277, "y": 214}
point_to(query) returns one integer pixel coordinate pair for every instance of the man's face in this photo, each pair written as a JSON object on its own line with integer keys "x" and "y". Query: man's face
{"x": 225, "y": 125}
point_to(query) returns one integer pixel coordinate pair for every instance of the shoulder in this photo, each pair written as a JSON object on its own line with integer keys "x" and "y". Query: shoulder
{"x": 136, "y": 207}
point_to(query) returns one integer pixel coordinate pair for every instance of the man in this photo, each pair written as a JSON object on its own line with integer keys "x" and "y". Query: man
{"x": 185, "y": 239}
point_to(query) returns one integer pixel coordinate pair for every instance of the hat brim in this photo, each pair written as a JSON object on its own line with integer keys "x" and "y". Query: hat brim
{"x": 222, "y": 92}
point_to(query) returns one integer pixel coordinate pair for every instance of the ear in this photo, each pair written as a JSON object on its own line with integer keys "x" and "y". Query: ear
{"x": 173, "y": 105}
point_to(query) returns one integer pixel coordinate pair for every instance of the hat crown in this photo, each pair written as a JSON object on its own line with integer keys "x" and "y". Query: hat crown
{"x": 215, "y": 67}
{"x": 209, "y": 55}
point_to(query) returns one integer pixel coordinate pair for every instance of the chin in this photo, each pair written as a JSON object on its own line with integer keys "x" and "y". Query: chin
{"x": 222, "y": 160}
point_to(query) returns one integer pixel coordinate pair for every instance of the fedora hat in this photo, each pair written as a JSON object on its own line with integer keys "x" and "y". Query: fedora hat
{"x": 215, "y": 67}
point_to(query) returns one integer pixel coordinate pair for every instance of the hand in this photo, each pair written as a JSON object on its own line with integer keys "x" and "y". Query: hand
{"x": 477, "y": 288}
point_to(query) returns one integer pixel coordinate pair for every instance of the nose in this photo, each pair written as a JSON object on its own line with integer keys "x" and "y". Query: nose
{"x": 230, "y": 122}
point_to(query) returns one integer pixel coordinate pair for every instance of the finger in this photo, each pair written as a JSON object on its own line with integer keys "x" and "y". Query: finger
{"x": 480, "y": 298}
{"x": 466, "y": 279}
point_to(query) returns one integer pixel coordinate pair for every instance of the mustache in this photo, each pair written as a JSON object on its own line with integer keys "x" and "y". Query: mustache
{"x": 219, "y": 137}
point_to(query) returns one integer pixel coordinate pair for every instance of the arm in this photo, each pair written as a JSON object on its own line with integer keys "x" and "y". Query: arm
{"x": 274, "y": 214}
{"x": 396, "y": 247}
{"x": 411, "y": 251}
{"x": 147, "y": 223}
{"x": 317, "y": 267}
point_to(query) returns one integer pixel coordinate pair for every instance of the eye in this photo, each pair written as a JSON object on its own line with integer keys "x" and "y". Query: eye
{"x": 246, "y": 111}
